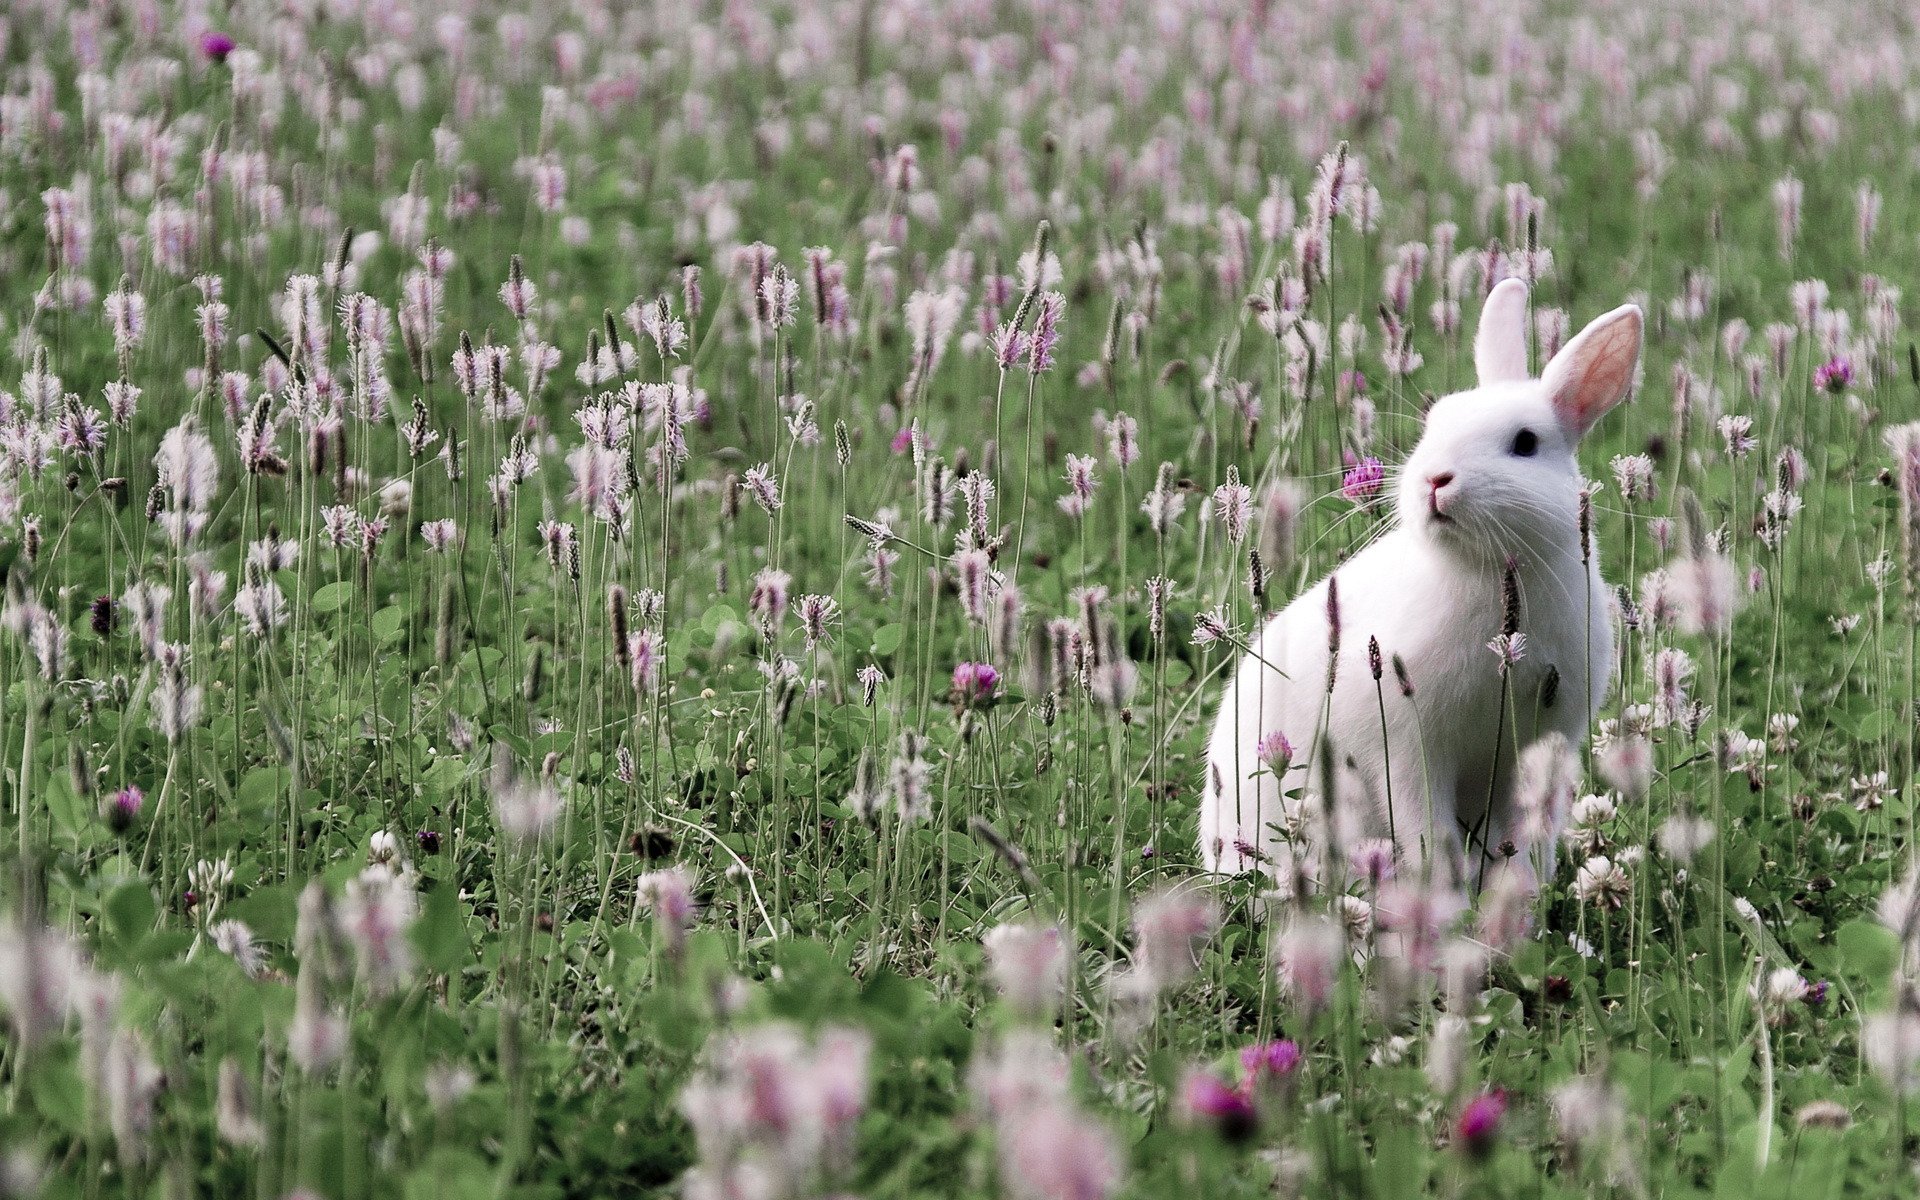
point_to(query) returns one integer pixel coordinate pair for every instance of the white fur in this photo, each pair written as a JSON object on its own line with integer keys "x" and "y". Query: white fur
{"x": 1430, "y": 591}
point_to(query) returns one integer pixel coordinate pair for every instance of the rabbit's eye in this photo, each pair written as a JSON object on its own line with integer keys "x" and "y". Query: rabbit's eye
{"x": 1525, "y": 443}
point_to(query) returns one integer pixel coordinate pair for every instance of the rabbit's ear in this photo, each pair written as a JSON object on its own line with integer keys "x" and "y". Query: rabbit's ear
{"x": 1500, "y": 348}
{"x": 1592, "y": 373}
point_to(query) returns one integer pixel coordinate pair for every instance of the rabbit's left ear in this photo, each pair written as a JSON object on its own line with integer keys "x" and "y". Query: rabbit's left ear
{"x": 1592, "y": 373}
{"x": 1500, "y": 347}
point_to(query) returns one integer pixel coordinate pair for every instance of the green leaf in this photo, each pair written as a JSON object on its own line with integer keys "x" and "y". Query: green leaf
{"x": 261, "y": 788}
{"x": 449, "y": 1174}
{"x": 269, "y": 911}
{"x": 886, "y": 639}
{"x": 389, "y": 623}
{"x": 332, "y": 598}
{"x": 130, "y": 912}
{"x": 69, "y": 811}
{"x": 1868, "y": 948}
{"x": 441, "y": 932}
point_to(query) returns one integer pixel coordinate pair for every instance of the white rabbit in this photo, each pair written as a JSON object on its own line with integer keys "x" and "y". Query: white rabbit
{"x": 1493, "y": 481}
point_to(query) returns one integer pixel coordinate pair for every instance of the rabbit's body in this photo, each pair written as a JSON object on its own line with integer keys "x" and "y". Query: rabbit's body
{"x": 1492, "y": 488}
{"x": 1441, "y": 753}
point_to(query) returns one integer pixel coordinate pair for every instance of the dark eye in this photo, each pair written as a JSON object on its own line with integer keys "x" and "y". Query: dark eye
{"x": 1525, "y": 443}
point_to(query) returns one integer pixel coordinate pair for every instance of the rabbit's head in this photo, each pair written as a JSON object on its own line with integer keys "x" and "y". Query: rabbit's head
{"x": 1494, "y": 472}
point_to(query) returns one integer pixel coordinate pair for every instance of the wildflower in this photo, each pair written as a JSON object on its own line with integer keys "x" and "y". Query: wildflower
{"x": 1372, "y": 861}
{"x": 1081, "y": 484}
{"x": 525, "y": 811}
{"x": 1823, "y": 1114}
{"x": 974, "y": 575}
{"x": 262, "y": 606}
{"x": 318, "y": 1035}
{"x": 40, "y": 970}
{"x": 1362, "y": 483}
{"x": 376, "y": 912}
{"x": 974, "y": 683}
{"x": 1164, "y": 502}
{"x": 447, "y": 1084}
{"x": 1275, "y": 752}
{"x": 1169, "y": 927}
{"x": 1028, "y": 964}
{"x": 1508, "y": 649}
{"x": 235, "y": 1117}
{"x": 870, "y": 678}
{"x": 668, "y": 895}
{"x": 1506, "y": 910}
{"x": 1591, "y": 815}
{"x": 1058, "y": 1153}
{"x": 1588, "y": 1111}
{"x": 133, "y": 1079}
{"x": 235, "y": 940}
{"x": 176, "y": 703}
{"x": 768, "y": 1105}
{"x": 1212, "y": 625}
{"x": 1706, "y": 593}
{"x": 1626, "y": 764}
{"x": 1123, "y": 440}
{"x": 1308, "y": 954}
{"x": 908, "y": 777}
{"x": 1834, "y": 376}
{"x": 1233, "y": 506}
{"x": 817, "y": 617}
{"x": 1890, "y": 1042}
{"x": 1736, "y": 432}
{"x": 1602, "y": 883}
{"x": 1777, "y": 991}
{"x": 120, "y": 809}
{"x": 768, "y": 599}
{"x": 1477, "y": 1129}
{"x": 1682, "y": 837}
{"x": 1046, "y": 332}
{"x": 1268, "y": 1062}
{"x": 1210, "y": 1101}
{"x": 1870, "y": 791}
{"x": 1788, "y": 196}
{"x": 216, "y": 46}
{"x": 765, "y": 488}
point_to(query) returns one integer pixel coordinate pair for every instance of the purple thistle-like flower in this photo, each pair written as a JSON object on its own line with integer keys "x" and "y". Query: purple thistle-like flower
{"x": 1265, "y": 1060}
{"x": 1275, "y": 751}
{"x": 122, "y": 807}
{"x": 1206, "y": 1099}
{"x": 1835, "y": 375}
{"x": 215, "y": 46}
{"x": 1363, "y": 481}
{"x": 974, "y": 682}
{"x": 669, "y": 896}
{"x": 1478, "y": 1126}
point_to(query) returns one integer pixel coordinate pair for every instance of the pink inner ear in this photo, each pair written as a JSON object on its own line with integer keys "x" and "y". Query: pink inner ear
{"x": 1598, "y": 377}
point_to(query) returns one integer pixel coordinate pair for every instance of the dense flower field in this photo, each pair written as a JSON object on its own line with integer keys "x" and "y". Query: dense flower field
{"x": 625, "y": 599}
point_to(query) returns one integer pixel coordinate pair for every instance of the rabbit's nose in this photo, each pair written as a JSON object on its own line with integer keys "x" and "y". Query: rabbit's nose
{"x": 1436, "y": 482}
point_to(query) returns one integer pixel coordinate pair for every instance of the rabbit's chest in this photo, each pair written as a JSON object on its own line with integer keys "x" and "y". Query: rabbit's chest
{"x": 1466, "y": 676}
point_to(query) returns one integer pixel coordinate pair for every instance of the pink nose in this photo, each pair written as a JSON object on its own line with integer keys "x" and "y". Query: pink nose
{"x": 1436, "y": 482}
